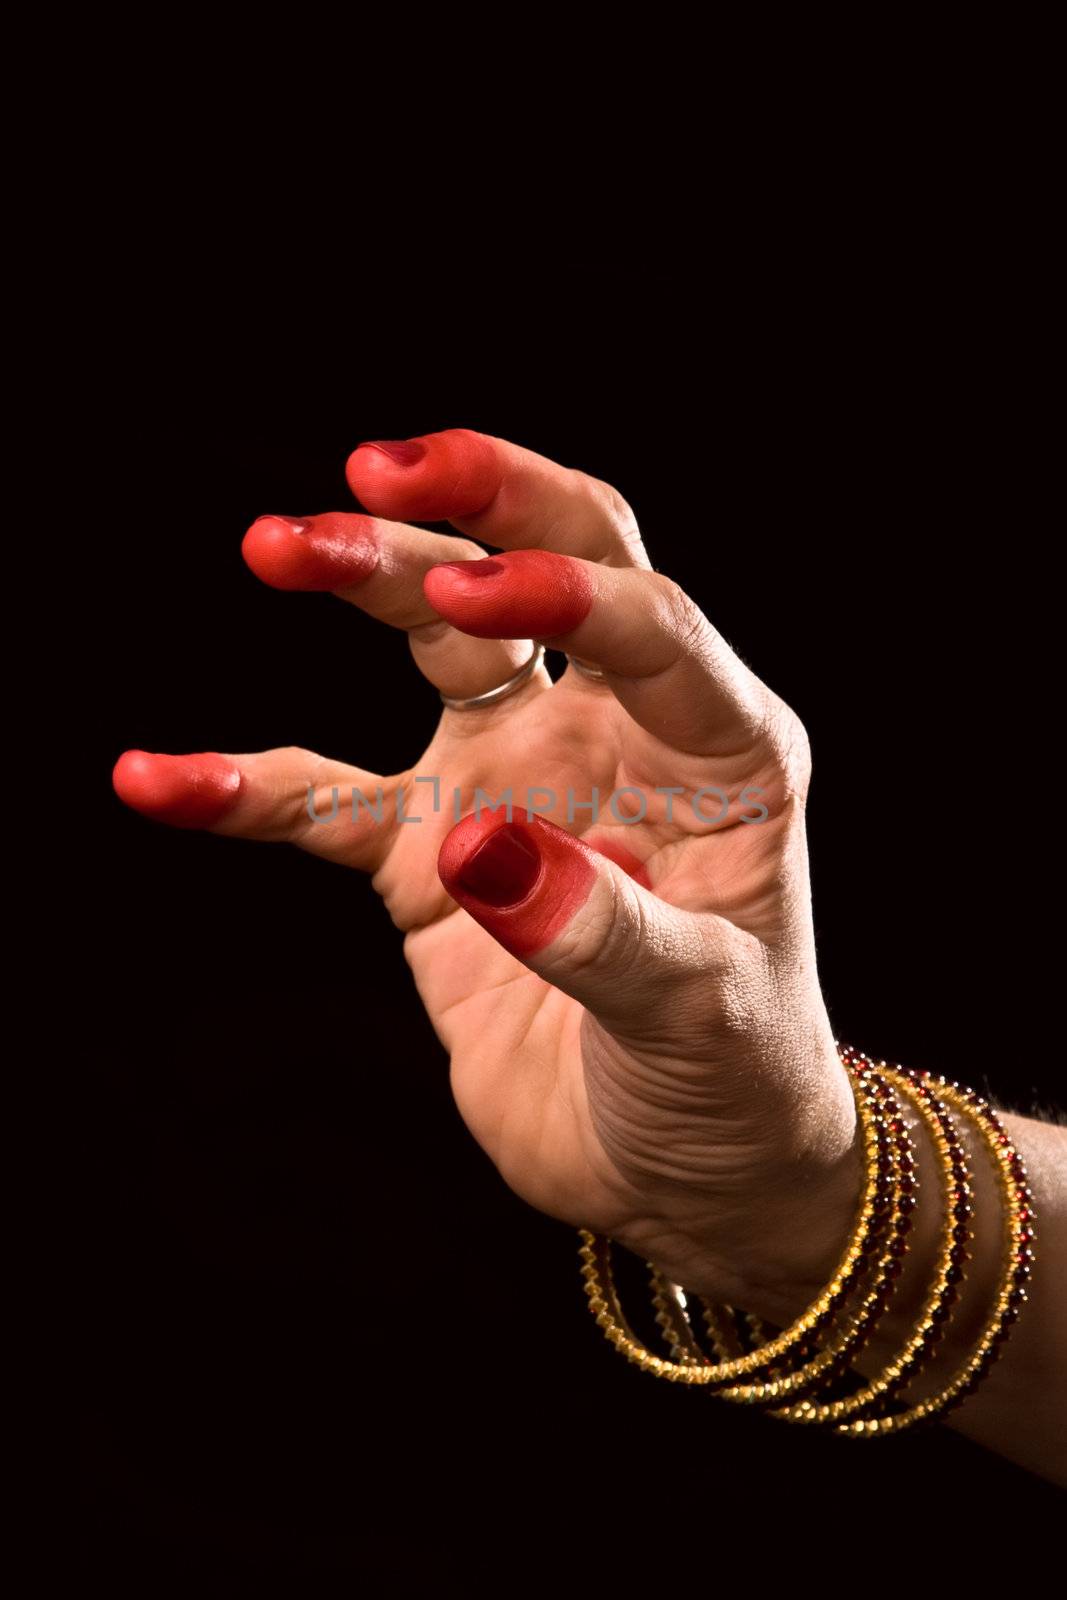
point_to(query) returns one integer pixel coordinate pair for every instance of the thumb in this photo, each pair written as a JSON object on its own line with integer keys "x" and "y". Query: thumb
{"x": 579, "y": 920}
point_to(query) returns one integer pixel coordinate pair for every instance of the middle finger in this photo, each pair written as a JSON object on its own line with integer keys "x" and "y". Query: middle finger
{"x": 498, "y": 492}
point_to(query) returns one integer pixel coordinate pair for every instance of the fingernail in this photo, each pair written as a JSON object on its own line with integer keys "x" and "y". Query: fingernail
{"x": 405, "y": 452}
{"x": 475, "y": 569}
{"x": 503, "y": 869}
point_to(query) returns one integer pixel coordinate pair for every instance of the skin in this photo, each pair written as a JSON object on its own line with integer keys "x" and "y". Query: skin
{"x": 636, "y": 1030}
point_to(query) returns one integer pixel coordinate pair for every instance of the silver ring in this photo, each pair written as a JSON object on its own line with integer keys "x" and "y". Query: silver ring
{"x": 585, "y": 669}
{"x": 501, "y": 692}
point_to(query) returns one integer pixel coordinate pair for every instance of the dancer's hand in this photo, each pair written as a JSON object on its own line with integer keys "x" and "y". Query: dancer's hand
{"x": 633, "y": 1015}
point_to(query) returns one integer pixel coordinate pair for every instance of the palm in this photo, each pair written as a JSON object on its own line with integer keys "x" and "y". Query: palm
{"x": 519, "y": 1046}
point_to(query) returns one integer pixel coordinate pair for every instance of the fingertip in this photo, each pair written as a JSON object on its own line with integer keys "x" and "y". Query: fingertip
{"x": 186, "y": 791}
{"x": 432, "y": 477}
{"x": 330, "y": 551}
{"x": 275, "y": 551}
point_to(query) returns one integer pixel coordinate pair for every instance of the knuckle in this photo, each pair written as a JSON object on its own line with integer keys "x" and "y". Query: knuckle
{"x": 301, "y": 791}
{"x": 614, "y": 507}
{"x": 789, "y": 743}
{"x": 678, "y": 614}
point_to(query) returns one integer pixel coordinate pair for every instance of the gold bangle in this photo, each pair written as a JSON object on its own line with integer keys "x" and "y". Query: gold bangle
{"x": 1017, "y": 1265}
{"x": 862, "y": 1414}
{"x": 940, "y": 1302}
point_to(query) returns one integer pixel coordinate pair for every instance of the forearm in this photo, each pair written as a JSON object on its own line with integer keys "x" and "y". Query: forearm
{"x": 1019, "y": 1409}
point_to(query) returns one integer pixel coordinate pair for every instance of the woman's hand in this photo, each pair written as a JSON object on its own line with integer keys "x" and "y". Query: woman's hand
{"x": 633, "y": 1015}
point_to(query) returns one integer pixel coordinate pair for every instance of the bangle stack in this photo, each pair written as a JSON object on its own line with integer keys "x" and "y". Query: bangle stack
{"x": 791, "y": 1373}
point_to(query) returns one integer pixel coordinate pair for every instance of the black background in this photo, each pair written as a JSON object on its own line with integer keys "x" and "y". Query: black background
{"x": 321, "y": 1335}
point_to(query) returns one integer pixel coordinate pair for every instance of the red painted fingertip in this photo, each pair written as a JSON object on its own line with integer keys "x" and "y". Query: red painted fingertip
{"x": 334, "y": 550}
{"x": 522, "y": 880}
{"x": 186, "y": 791}
{"x": 522, "y": 594}
{"x": 431, "y": 478}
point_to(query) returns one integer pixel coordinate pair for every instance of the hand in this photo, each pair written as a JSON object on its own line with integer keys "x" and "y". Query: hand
{"x": 632, "y": 1010}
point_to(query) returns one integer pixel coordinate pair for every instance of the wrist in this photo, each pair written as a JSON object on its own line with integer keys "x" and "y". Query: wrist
{"x": 810, "y": 1225}
{"x": 803, "y": 1221}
